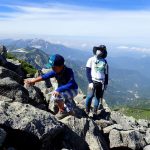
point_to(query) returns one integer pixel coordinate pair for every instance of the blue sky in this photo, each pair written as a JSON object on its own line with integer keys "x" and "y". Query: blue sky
{"x": 122, "y": 21}
{"x": 108, "y": 4}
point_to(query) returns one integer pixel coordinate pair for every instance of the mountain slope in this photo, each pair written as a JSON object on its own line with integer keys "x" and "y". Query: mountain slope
{"x": 47, "y": 47}
{"x": 32, "y": 55}
{"x": 129, "y": 76}
{"x": 38, "y": 59}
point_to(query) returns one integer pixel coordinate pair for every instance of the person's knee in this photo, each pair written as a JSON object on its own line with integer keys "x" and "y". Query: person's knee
{"x": 90, "y": 96}
{"x": 89, "y": 99}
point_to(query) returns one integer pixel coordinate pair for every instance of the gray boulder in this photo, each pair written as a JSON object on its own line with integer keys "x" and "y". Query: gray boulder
{"x": 11, "y": 64}
{"x": 128, "y": 123}
{"x": 147, "y": 147}
{"x": 3, "y": 51}
{"x": 143, "y": 122}
{"x": 11, "y": 74}
{"x": 15, "y": 66}
{"x": 26, "y": 122}
{"x": 129, "y": 139}
{"x": 35, "y": 95}
{"x": 147, "y": 137}
{"x": 44, "y": 90}
{"x": 13, "y": 90}
{"x": 88, "y": 130}
{"x": 114, "y": 126}
{"x": 3, "y": 61}
{"x": 28, "y": 118}
{"x": 103, "y": 123}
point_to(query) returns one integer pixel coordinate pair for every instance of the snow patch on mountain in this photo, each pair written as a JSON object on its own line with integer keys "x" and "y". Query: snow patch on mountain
{"x": 20, "y": 50}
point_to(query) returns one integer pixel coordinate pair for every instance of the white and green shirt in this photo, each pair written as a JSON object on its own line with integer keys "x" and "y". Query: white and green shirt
{"x": 98, "y": 67}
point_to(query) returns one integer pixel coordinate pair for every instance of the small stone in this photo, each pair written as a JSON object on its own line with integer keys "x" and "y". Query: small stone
{"x": 143, "y": 122}
{"x": 114, "y": 126}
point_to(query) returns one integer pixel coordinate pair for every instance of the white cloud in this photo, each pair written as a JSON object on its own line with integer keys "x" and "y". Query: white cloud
{"x": 56, "y": 19}
{"x": 123, "y": 47}
{"x": 134, "y": 48}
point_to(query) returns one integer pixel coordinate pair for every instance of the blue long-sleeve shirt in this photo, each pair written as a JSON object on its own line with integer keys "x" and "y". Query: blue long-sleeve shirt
{"x": 88, "y": 74}
{"x": 65, "y": 79}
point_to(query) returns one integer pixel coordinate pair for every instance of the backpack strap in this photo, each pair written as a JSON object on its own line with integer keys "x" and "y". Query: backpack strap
{"x": 106, "y": 73}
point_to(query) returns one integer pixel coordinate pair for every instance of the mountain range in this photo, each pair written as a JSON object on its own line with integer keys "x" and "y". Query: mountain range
{"x": 129, "y": 75}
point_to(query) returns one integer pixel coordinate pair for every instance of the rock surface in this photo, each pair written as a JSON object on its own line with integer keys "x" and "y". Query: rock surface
{"x": 88, "y": 130}
{"x": 28, "y": 118}
{"x": 13, "y": 90}
{"x": 11, "y": 74}
{"x": 147, "y": 147}
{"x": 131, "y": 139}
{"x": 147, "y": 137}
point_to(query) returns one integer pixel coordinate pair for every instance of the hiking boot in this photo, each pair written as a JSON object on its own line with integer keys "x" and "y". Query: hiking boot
{"x": 95, "y": 111}
{"x": 63, "y": 114}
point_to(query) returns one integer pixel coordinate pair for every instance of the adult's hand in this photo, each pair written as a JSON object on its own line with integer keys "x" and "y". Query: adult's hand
{"x": 91, "y": 86}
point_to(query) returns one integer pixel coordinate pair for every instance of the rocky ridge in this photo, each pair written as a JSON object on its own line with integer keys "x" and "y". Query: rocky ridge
{"x": 27, "y": 121}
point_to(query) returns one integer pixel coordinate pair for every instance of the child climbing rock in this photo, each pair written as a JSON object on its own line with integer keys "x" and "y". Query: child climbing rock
{"x": 67, "y": 86}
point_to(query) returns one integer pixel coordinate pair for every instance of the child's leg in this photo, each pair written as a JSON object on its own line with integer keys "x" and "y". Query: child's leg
{"x": 60, "y": 105}
{"x": 68, "y": 96}
{"x": 89, "y": 98}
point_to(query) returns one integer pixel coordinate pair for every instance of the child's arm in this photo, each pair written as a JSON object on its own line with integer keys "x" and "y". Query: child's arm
{"x": 40, "y": 78}
{"x": 48, "y": 75}
{"x": 66, "y": 86}
{"x": 33, "y": 81}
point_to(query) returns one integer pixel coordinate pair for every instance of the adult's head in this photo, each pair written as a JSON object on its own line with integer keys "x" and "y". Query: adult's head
{"x": 100, "y": 51}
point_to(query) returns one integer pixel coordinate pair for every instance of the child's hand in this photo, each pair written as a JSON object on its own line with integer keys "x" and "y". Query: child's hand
{"x": 29, "y": 82}
{"x": 55, "y": 93}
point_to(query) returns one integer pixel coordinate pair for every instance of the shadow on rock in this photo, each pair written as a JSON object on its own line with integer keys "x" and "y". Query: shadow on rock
{"x": 66, "y": 139}
{"x": 21, "y": 140}
{"x": 102, "y": 114}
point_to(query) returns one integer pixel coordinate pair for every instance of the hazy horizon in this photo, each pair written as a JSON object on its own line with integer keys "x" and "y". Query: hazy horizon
{"x": 78, "y": 24}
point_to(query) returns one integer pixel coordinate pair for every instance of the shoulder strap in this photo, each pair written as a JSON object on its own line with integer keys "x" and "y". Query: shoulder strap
{"x": 105, "y": 61}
